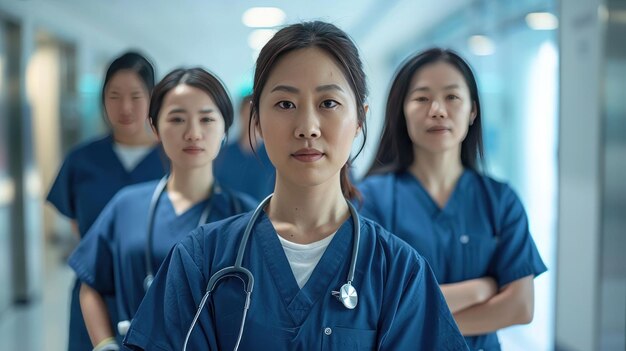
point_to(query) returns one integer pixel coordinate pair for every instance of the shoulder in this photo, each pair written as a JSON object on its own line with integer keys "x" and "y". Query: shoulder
{"x": 90, "y": 147}
{"x": 497, "y": 191}
{"x": 376, "y": 184}
{"x": 387, "y": 246}
{"x": 135, "y": 194}
{"x": 245, "y": 201}
{"x": 208, "y": 240}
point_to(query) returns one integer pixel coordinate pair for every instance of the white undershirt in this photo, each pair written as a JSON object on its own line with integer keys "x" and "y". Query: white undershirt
{"x": 304, "y": 257}
{"x": 130, "y": 156}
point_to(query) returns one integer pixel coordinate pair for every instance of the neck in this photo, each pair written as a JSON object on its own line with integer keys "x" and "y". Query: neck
{"x": 438, "y": 172}
{"x": 190, "y": 186}
{"x": 307, "y": 214}
{"x": 142, "y": 138}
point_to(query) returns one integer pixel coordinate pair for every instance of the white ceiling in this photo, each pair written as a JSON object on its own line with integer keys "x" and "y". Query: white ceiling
{"x": 210, "y": 32}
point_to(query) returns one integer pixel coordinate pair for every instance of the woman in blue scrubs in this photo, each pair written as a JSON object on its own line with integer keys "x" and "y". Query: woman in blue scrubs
{"x": 190, "y": 112}
{"x": 94, "y": 171}
{"x": 426, "y": 188}
{"x": 309, "y": 106}
{"x": 242, "y": 168}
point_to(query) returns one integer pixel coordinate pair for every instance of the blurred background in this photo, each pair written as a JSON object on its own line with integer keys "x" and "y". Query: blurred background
{"x": 552, "y": 77}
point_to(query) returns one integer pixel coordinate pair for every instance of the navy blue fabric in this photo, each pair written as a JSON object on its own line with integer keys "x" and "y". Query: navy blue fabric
{"x": 245, "y": 172}
{"x": 111, "y": 257}
{"x": 400, "y": 305}
{"x": 90, "y": 176}
{"x": 481, "y": 231}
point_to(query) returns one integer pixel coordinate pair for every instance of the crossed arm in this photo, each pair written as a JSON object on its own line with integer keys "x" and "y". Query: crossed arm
{"x": 479, "y": 308}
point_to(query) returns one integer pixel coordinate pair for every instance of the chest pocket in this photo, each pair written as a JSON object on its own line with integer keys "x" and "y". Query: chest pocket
{"x": 477, "y": 252}
{"x": 347, "y": 339}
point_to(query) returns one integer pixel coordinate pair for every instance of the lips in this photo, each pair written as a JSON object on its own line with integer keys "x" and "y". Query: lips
{"x": 307, "y": 155}
{"x": 438, "y": 129}
{"x": 193, "y": 150}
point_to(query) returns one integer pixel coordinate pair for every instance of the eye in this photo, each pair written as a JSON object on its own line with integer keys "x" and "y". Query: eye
{"x": 421, "y": 99}
{"x": 329, "y": 104}
{"x": 285, "y": 105}
{"x": 207, "y": 119}
{"x": 136, "y": 97}
{"x": 175, "y": 119}
{"x": 452, "y": 97}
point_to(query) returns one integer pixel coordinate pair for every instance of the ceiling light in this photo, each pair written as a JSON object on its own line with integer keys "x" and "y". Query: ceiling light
{"x": 481, "y": 45}
{"x": 259, "y": 37}
{"x": 263, "y": 17}
{"x": 542, "y": 21}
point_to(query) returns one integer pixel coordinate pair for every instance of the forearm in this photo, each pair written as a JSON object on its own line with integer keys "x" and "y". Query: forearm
{"x": 465, "y": 294}
{"x": 512, "y": 305}
{"x": 95, "y": 314}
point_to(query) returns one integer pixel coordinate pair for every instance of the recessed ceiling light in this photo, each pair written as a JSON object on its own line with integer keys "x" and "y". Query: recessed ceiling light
{"x": 263, "y": 17}
{"x": 481, "y": 45}
{"x": 542, "y": 21}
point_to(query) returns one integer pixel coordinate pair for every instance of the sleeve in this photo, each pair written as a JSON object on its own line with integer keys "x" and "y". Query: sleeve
{"x": 61, "y": 193}
{"x": 418, "y": 317}
{"x": 516, "y": 255}
{"x": 93, "y": 260}
{"x": 167, "y": 311}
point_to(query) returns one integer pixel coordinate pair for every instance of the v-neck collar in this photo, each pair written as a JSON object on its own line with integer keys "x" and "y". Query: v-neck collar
{"x": 432, "y": 205}
{"x": 113, "y": 154}
{"x": 196, "y": 208}
{"x": 298, "y": 302}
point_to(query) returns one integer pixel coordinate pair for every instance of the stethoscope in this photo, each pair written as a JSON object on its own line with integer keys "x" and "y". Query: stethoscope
{"x": 347, "y": 294}
{"x": 123, "y": 326}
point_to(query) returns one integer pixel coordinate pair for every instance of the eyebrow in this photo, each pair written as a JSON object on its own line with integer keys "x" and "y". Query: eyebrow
{"x": 182, "y": 110}
{"x": 447, "y": 87}
{"x": 294, "y": 90}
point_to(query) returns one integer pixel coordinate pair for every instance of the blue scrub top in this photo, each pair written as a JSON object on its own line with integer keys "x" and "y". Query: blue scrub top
{"x": 90, "y": 176}
{"x": 481, "y": 231}
{"x": 245, "y": 172}
{"x": 112, "y": 256}
{"x": 400, "y": 306}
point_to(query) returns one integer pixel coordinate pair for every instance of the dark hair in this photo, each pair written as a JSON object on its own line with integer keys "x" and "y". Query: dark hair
{"x": 197, "y": 78}
{"x": 134, "y": 62}
{"x": 395, "y": 152}
{"x": 339, "y": 46}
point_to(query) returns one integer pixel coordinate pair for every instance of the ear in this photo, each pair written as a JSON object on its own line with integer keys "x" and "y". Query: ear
{"x": 257, "y": 125}
{"x": 366, "y": 108}
{"x": 473, "y": 113}
{"x": 154, "y": 130}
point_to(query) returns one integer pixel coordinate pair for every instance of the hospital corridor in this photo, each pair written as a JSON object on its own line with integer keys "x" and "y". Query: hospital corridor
{"x": 313, "y": 175}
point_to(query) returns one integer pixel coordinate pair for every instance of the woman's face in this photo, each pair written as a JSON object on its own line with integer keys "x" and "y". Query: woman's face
{"x": 308, "y": 117}
{"x": 126, "y": 101}
{"x": 190, "y": 127}
{"x": 438, "y": 108}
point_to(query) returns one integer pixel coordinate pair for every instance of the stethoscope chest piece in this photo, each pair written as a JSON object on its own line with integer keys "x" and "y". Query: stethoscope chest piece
{"x": 347, "y": 296}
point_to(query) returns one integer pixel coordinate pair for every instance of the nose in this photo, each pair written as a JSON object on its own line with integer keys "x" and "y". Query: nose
{"x": 127, "y": 106}
{"x": 437, "y": 109}
{"x": 193, "y": 132}
{"x": 308, "y": 125}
